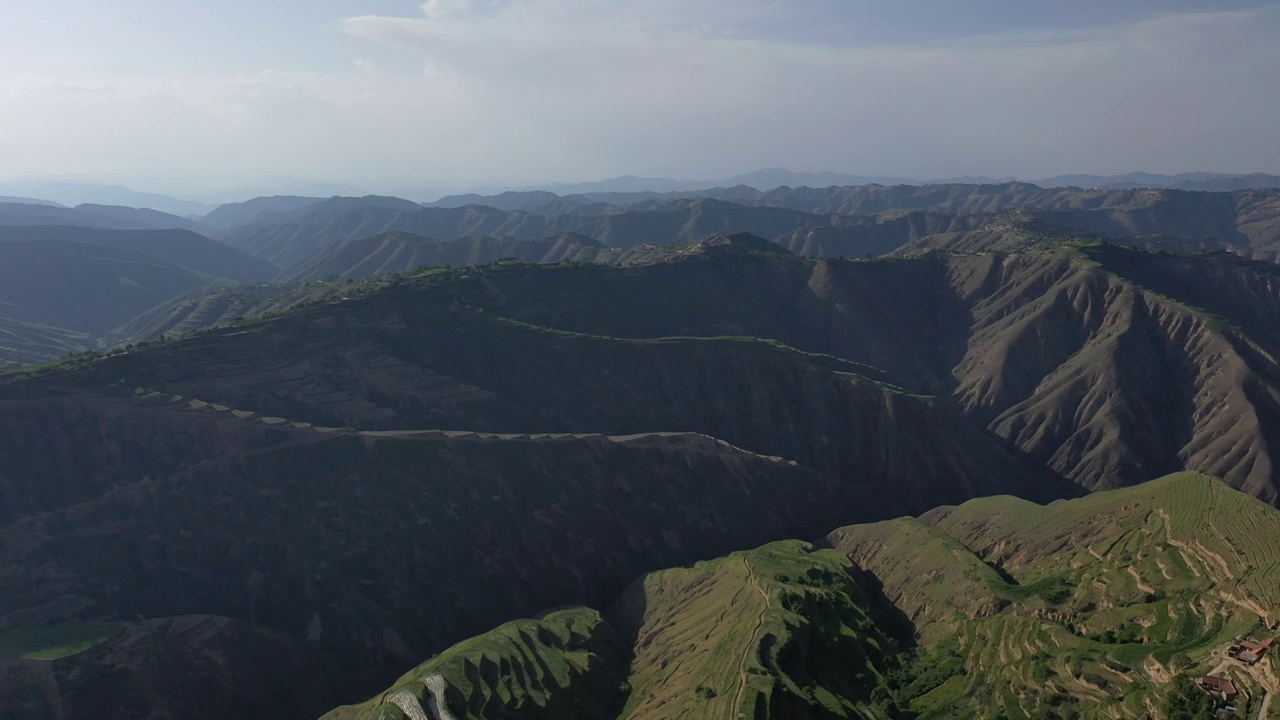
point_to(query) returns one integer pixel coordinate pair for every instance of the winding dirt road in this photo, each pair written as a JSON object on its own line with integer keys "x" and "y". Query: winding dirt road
{"x": 734, "y": 709}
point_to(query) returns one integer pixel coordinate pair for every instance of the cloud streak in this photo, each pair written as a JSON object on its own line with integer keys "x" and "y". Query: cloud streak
{"x": 1154, "y": 94}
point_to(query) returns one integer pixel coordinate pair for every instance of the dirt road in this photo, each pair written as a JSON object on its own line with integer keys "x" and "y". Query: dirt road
{"x": 734, "y": 711}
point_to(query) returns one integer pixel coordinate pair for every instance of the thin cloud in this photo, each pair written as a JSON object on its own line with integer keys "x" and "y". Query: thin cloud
{"x": 543, "y": 90}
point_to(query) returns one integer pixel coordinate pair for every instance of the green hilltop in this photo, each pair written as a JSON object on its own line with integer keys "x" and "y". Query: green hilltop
{"x": 1100, "y": 607}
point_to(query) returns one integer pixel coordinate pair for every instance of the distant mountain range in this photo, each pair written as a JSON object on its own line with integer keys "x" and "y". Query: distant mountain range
{"x": 78, "y": 193}
{"x": 6, "y": 199}
{"x": 869, "y": 219}
{"x": 113, "y": 217}
{"x": 770, "y": 178}
{"x": 288, "y": 239}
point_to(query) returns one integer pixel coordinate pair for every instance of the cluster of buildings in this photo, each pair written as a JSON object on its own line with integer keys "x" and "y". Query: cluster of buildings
{"x": 1250, "y": 652}
{"x": 1221, "y": 688}
{"x": 1244, "y": 650}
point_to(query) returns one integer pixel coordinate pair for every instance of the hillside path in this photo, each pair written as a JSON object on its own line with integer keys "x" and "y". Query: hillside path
{"x": 734, "y": 712}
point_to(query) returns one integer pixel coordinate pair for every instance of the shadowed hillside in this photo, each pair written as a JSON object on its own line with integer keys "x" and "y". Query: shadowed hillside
{"x": 353, "y": 531}
{"x": 82, "y": 287}
{"x": 183, "y": 248}
{"x": 417, "y": 459}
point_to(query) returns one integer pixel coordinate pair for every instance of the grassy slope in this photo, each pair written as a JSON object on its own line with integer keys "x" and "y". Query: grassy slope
{"x": 566, "y": 664}
{"x": 781, "y": 631}
{"x": 1083, "y": 608}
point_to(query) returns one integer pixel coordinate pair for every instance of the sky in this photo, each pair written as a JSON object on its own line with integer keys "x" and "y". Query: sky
{"x": 193, "y": 97}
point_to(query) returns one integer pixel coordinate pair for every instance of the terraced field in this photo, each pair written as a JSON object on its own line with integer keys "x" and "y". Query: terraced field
{"x": 1091, "y": 606}
{"x": 27, "y": 343}
{"x": 781, "y": 631}
{"x": 1100, "y": 607}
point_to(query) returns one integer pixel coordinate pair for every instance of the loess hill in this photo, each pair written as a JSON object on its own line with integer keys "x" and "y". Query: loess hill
{"x": 1102, "y": 607}
{"x": 384, "y": 468}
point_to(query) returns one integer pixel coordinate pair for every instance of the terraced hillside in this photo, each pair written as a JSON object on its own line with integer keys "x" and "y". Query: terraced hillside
{"x": 1103, "y": 607}
{"x": 781, "y": 631}
{"x": 567, "y": 663}
{"x": 29, "y": 344}
{"x": 1093, "y": 605}
{"x": 225, "y": 305}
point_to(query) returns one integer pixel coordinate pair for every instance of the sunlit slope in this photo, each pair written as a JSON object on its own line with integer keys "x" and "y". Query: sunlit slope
{"x": 779, "y": 632}
{"x": 1102, "y": 607}
{"x": 1087, "y": 606}
{"x": 566, "y": 664}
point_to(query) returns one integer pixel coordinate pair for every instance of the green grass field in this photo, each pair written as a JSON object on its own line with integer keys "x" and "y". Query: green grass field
{"x": 999, "y": 608}
{"x": 524, "y": 669}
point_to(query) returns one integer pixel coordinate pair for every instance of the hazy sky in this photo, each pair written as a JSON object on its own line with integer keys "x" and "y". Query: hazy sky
{"x": 185, "y": 96}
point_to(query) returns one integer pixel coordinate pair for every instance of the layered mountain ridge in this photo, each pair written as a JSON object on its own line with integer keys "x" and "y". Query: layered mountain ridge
{"x": 344, "y": 477}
